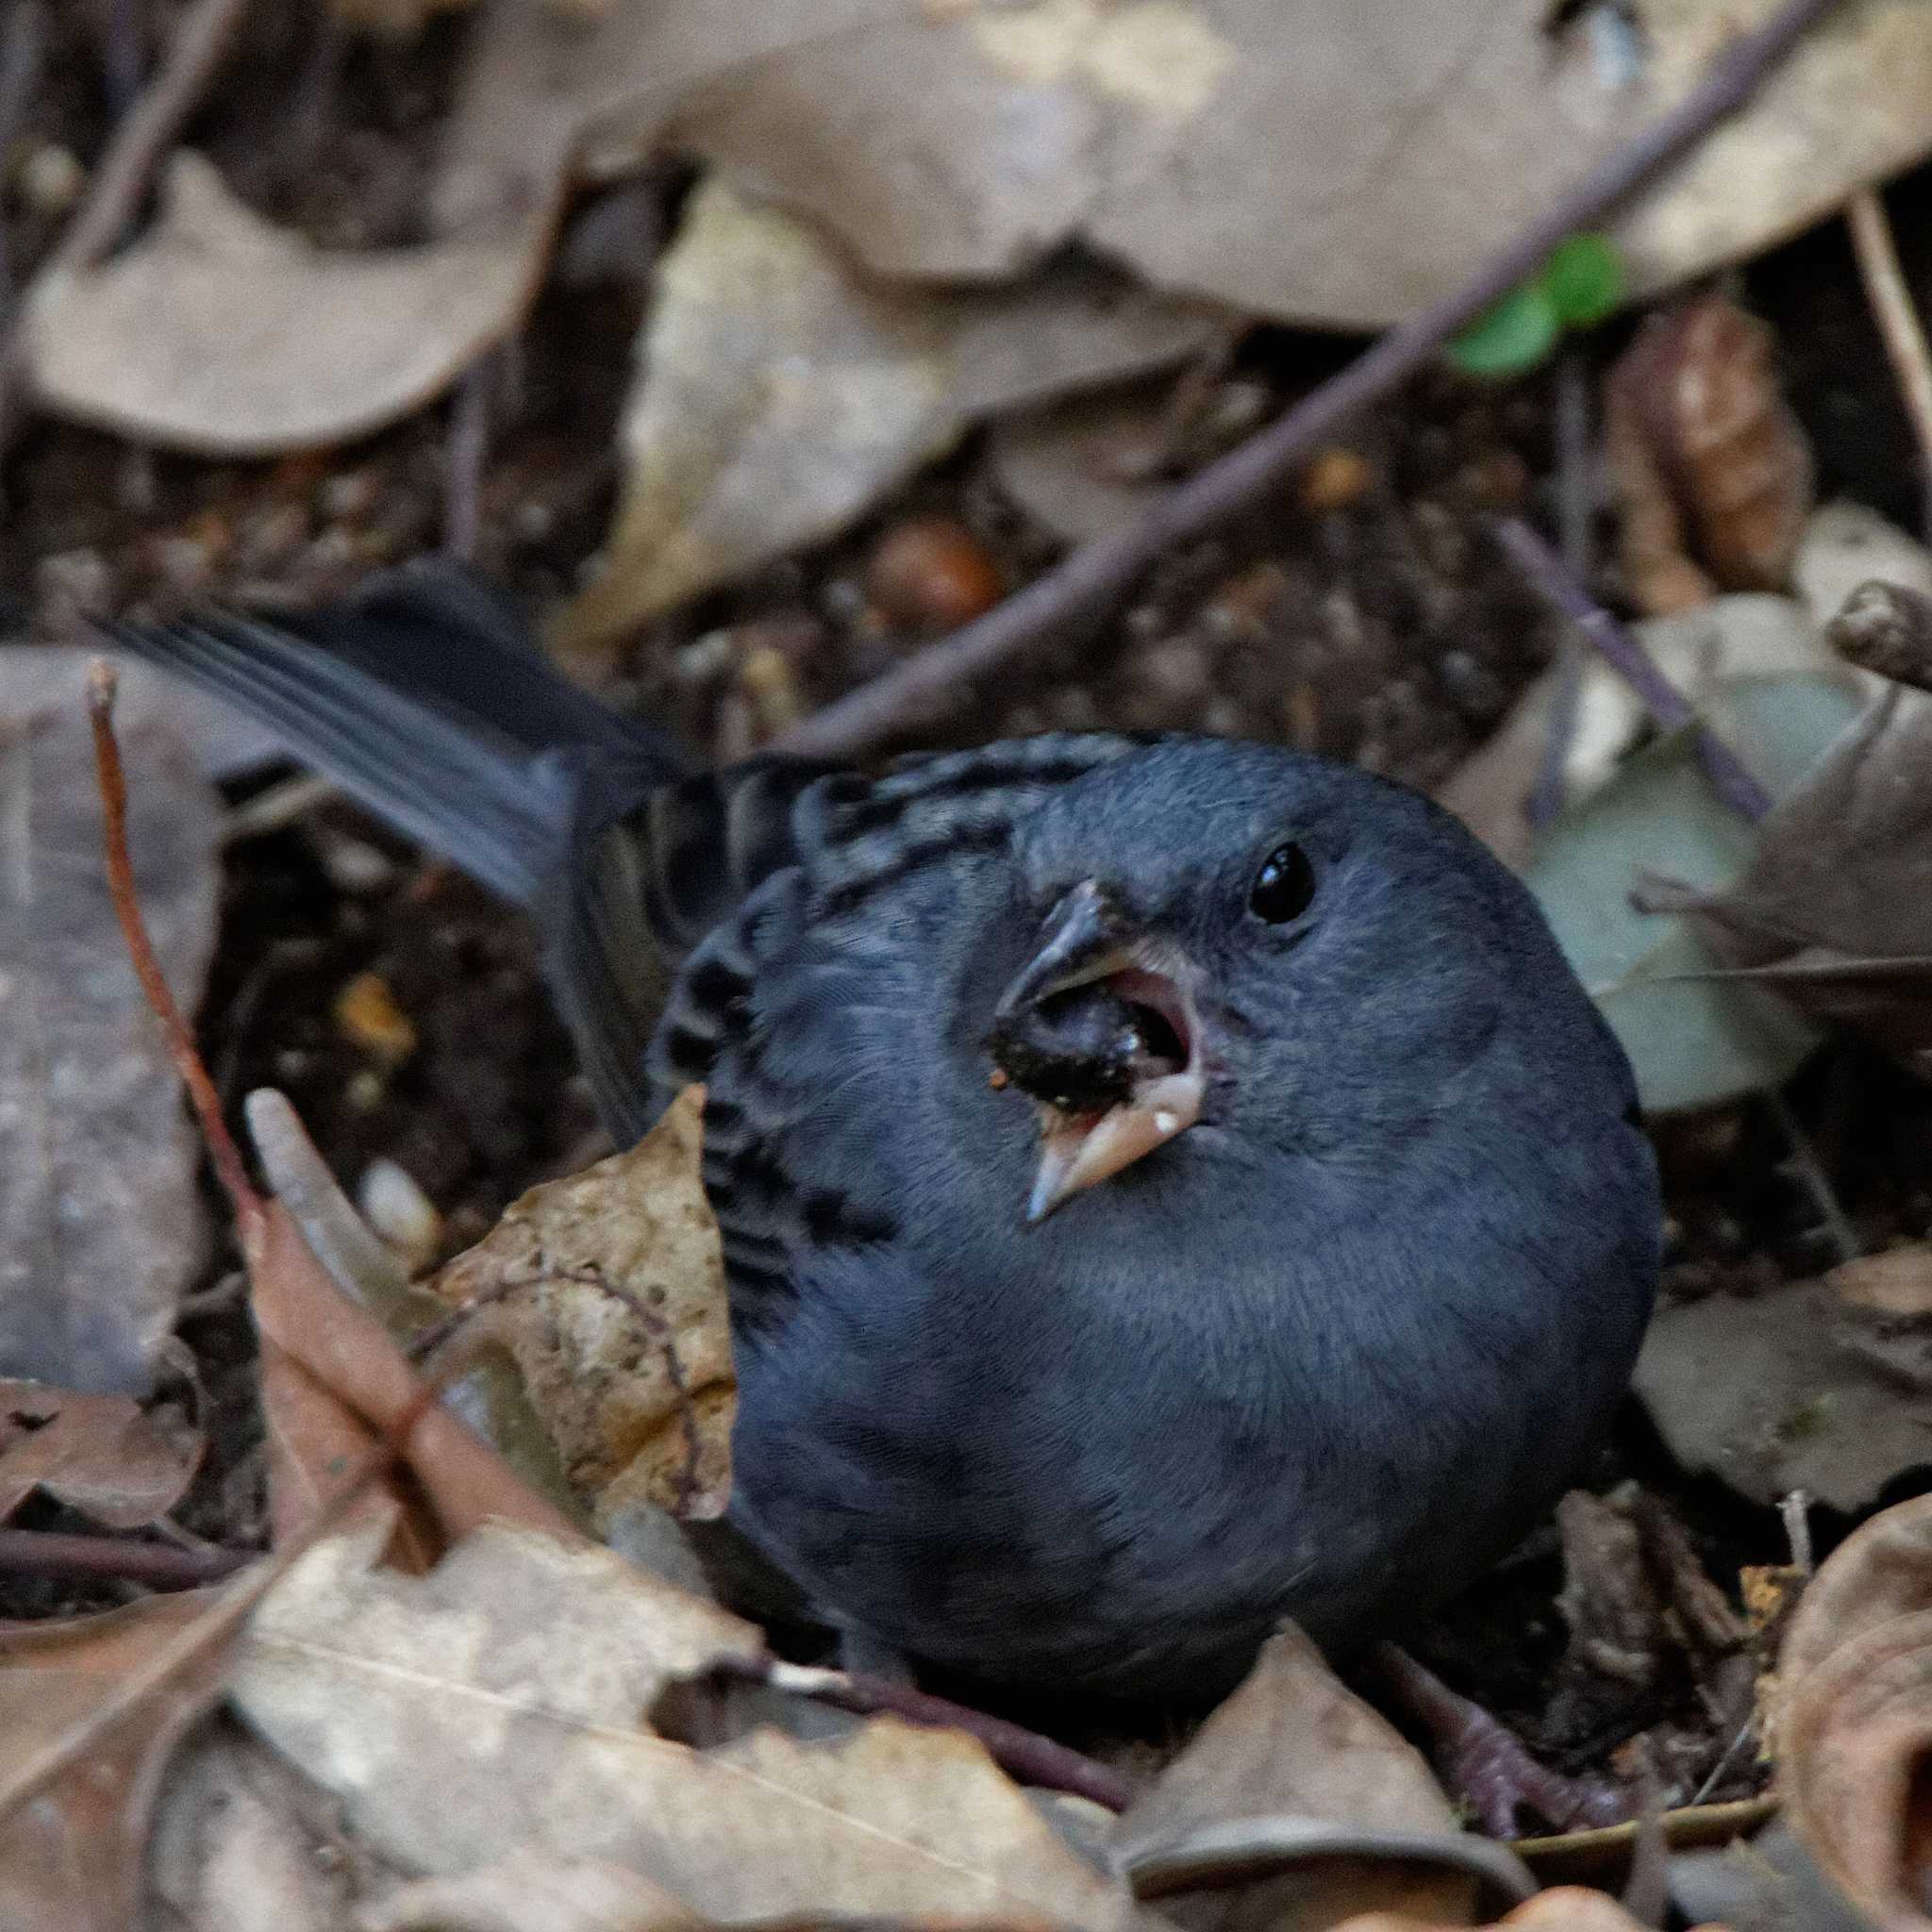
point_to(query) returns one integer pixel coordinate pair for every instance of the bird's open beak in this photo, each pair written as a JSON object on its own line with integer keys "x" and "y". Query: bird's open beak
{"x": 1087, "y": 944}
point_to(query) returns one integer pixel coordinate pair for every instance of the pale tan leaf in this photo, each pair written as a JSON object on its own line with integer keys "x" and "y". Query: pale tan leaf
{"x": 1240, "y": 149}
{"x": 609, "y": 1290}
{"x": 219, "y": 333}
{"x": 1855, "y": 1717}
{"x": 780, "y": 393}
{"x": 527, "y": 1673}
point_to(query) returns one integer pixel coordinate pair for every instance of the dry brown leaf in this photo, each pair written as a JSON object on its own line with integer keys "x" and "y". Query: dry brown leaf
{"x": 219, "y": 333}
{"x": 573, "y": 1270}
{"x": 101, "y": 1454}
{"x": 527, "y": 1674}
{"x": 1297, "y": 1805}
{"x": 242, "y": 1843}
{"x": 1714, "y": 472}
{"x": 1235, "y": 148}
{"x": 1795, "y": 1389}
{"x": 1077, "y": 466}
{"x": 779, "y": 395}
{"x": 1561, "y": 1909}
{"x": 101, "y": 1225}
{"x": 332, "y": 1377}
{"x": 1897, "y": 1282}
{"x": 530, "y": 1891}
{"x": 91, "y": 1711}
{"x": 1855, "y": 1718}
{"x": 1834, "y": 912}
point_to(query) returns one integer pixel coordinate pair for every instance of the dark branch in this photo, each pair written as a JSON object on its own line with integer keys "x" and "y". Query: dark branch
{"x": 1083, "y": 587}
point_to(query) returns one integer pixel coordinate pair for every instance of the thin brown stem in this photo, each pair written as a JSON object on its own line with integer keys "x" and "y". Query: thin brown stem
{"x": 1621, "y": 647}
{"x": 222, "y": 1153}
{"x": 159, "y": 1566}
{"x": 1897, "y": 317}
{"x": 1088, "y": 583}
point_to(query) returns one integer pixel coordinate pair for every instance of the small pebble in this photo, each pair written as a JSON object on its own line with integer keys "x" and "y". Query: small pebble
{"x": 50, "y": 179}
{"x": 367, "y": 1014}
{"x": 770, "y": 689}
{"x": 400, "y": 1212}
{"x": 932, "y": 573}
{"x": 354, "y": 865}
{"x": 1335, "y": 480}
{"x": 364, "y": 1091}
{"x": 349, "y": 495}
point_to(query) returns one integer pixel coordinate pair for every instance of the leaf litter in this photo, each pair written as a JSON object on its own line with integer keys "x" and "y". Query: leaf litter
{"x": 390, "y": 1399}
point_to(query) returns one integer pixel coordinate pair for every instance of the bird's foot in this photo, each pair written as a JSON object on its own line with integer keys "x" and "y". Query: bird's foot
{"x": 1485, "y": 1766}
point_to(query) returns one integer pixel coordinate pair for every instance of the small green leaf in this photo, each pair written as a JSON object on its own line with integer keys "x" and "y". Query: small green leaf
{"x": 1512, "y": 335}
{"x": 1584, "y": 279}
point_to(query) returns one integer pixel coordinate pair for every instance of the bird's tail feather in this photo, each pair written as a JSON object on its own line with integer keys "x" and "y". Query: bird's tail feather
{"x": 423, "y": 701}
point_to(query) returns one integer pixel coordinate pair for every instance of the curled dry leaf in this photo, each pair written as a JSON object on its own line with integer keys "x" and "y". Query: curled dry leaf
{"x": 1834, "y": 912}
{"x": 1855, "y": 1717}
{"x": 334, "y": 1381}
{"x": 101, "y": 1454}
{"x": 1887, "y": 628}
{"x": 1561, "y": 1909}
{"x": 91, "y": 1711}
{"x": 1214, "y": 145}
{"x": 101, "y": 1225}
{"x": 219, "y": 333}
{"x": 780, "y": 394}
{"x": 1714, "y": 471}
{"x": 1298, "y": 1806}
{"x": 609, "y": 1290}
{"x": 529, "y": 1675}
{"x": 491, "y": 1395}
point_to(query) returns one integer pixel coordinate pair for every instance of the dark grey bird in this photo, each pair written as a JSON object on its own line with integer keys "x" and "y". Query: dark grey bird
{"x": 1165, "y": 1183}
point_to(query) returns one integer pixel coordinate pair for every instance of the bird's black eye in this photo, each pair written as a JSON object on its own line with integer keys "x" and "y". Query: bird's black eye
{"x": 1284, "y": 886}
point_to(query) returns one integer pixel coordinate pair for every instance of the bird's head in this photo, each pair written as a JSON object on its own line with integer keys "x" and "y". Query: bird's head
{"x": 1240, "y": 941}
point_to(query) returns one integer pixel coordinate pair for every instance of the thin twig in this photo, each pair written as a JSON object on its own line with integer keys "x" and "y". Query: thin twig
{"x": 1816, "y": 1182}
{"x": 1086, "y": 584}
{"x": 1621, "y": 647}
{"x": 123, "y": 172}
{"x": 465, "y": 452}
{"x": 1897, "y": 317}
{"x": 1794, "y": 1506}
{"x": 222, "y": 1153}
{"x": 1021, "y": 1754}
{"x": 1575, "y": 507}
{"x": 161, "y": 1566}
